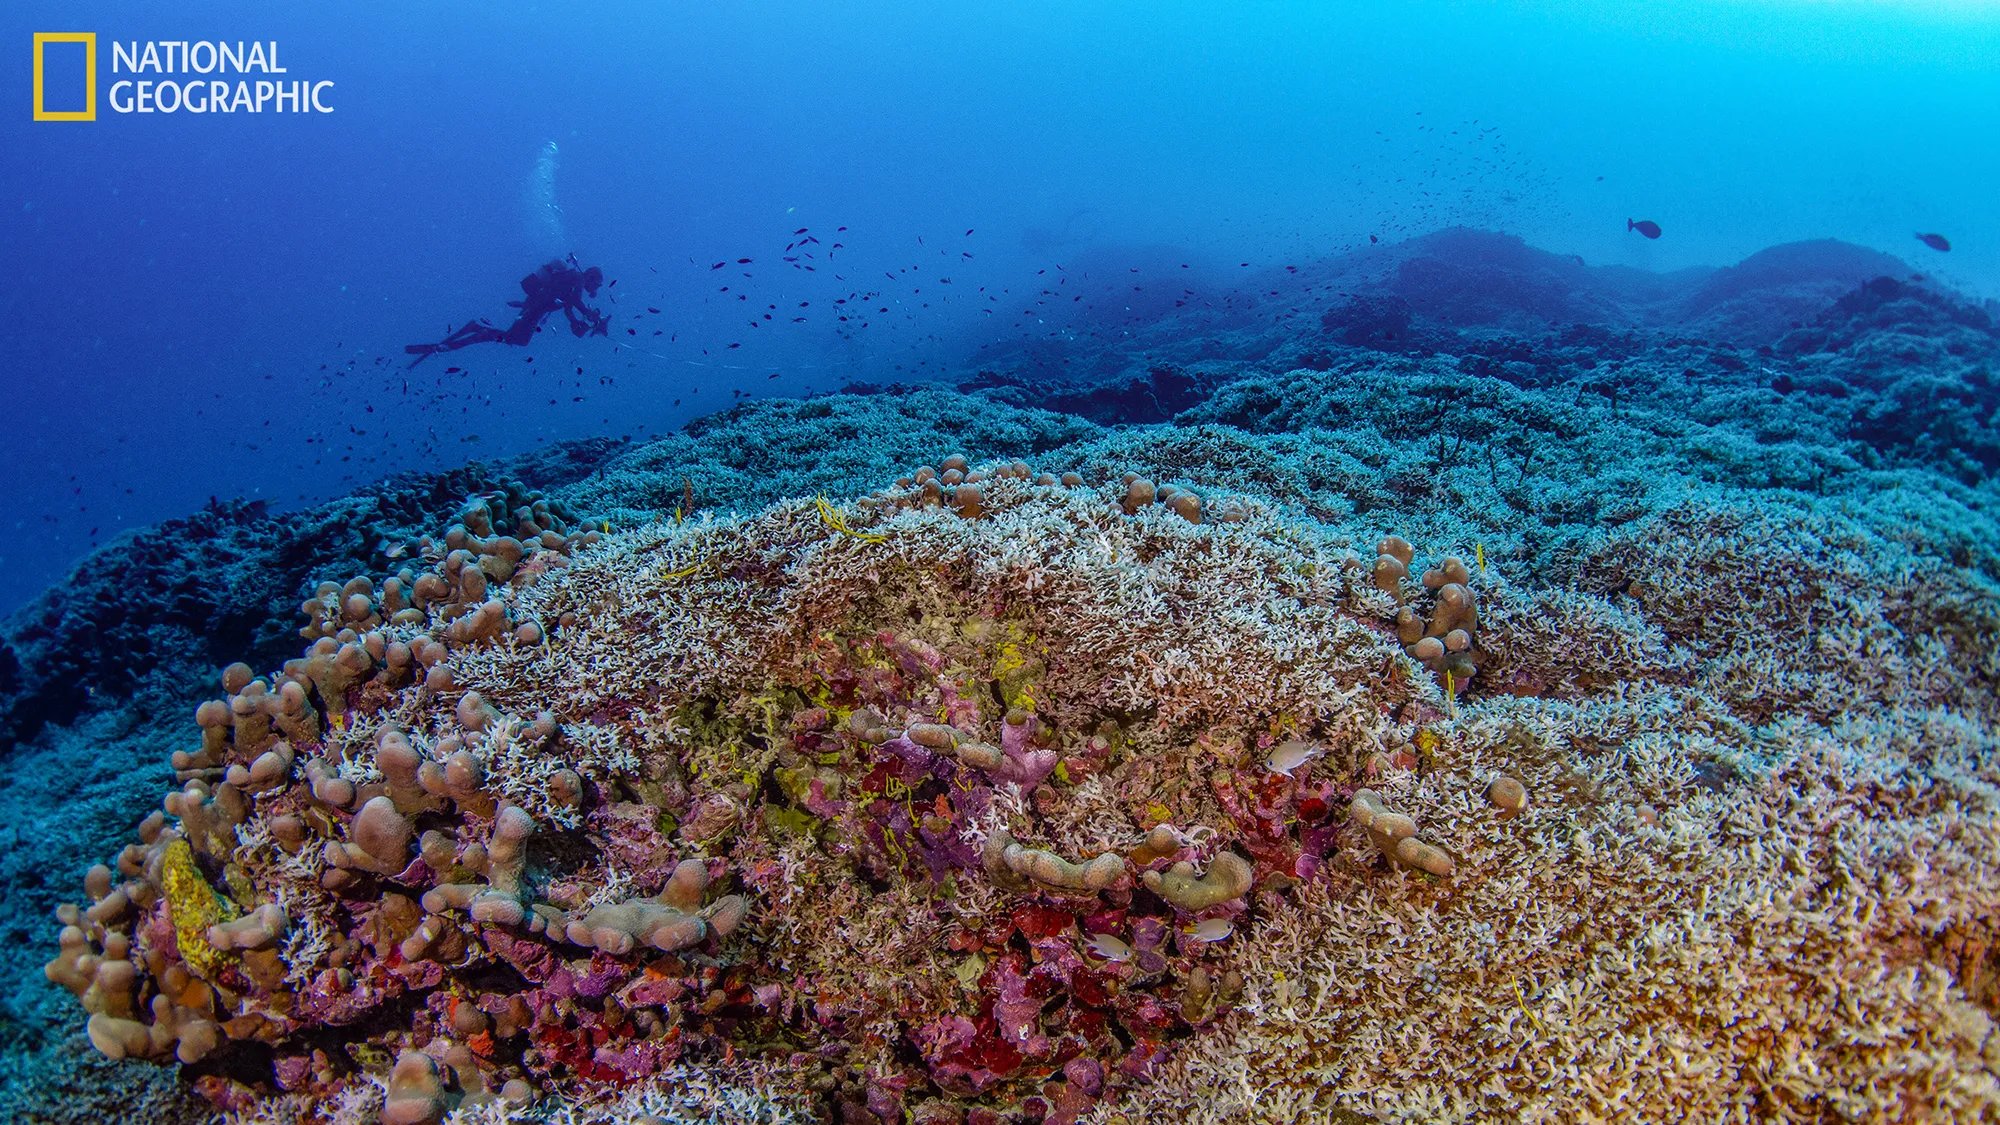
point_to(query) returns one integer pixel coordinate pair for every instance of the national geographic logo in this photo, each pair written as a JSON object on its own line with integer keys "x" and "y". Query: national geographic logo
{"x": 88, "y": 41}
{"x": 197, "y": 76}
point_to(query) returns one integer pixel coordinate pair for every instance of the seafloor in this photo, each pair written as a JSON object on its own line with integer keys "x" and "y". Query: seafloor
{"x": 1445, "y": 683}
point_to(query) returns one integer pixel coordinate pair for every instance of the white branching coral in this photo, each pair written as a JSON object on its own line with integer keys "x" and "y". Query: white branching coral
{"x": 1647, "y": 920}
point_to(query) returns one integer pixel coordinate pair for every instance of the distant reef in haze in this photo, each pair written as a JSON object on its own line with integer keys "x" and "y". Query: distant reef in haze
{"x": 1884, "y": 357}
{"x": 1447, "y": 291}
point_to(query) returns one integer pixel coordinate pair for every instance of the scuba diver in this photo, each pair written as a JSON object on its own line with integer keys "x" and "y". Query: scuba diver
{"x": 558, "y": 285}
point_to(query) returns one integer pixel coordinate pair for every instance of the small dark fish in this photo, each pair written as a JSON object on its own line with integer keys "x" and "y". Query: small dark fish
{"x": 968, "y": 232}
{"x": 1647, "y": 227}
{"x": 1935, "y": 242}
{"x": 718, "y": 265}
{"x": 651, "y": 309}
{"x": 742, "y": 261}
{"x": 802, "y": 230}
{"x": 1372, "y": 240}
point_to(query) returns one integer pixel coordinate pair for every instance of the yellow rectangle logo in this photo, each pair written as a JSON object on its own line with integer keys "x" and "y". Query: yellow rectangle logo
{"x": 89, "y": 41}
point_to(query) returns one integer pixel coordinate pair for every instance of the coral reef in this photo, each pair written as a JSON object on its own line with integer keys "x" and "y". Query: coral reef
{"x": 1156, "y": 395}
{"x": 218, "y": 586}
{"x": 861, "y": 727}
{"x": 1068, "y": 757}
{"x": 1552, "y": 727}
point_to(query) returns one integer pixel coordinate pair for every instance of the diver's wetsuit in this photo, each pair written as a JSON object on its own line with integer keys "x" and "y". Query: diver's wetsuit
{"x": 557, "y": 285}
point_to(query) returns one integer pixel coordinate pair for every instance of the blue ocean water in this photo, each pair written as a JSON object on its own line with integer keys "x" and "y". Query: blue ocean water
{"x": 215, "y": 305}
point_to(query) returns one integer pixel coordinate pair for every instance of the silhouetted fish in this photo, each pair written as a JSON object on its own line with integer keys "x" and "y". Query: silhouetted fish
{"x": 1935, "y": 241}
{"x": 1647, "y": 227}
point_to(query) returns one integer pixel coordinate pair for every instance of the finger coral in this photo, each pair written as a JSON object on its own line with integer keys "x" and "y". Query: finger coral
{"x": 1395, "y": 835}
{"x": 1447, "y": 642}
{"x": 1227, "y": 879}
{"x": 1004, "y": 856}
{"x": 674, "y": 920}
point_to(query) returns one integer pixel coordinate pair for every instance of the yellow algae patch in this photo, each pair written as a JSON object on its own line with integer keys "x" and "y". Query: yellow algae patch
{"x": 194, "y": 907}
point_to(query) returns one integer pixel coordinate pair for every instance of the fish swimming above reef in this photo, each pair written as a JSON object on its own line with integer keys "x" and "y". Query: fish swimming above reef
{"x": 1936, "y": 242}
{"x": 1647, "y": 227}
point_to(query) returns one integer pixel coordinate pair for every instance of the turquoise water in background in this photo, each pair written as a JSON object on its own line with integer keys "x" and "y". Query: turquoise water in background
{"x": 215, "y": 306}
